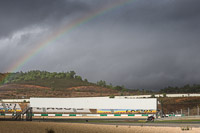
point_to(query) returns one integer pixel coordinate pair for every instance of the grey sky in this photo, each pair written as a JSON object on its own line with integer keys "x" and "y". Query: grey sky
{"x": 146, "y": 44}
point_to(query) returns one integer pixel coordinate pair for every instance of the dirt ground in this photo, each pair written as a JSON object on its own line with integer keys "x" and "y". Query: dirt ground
{"x": 44, "y": 127}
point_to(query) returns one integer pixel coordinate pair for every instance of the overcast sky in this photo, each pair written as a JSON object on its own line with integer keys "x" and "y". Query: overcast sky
{"x": 145, "y": 44}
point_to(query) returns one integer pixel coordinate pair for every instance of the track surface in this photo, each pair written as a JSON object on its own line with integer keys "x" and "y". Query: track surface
{"x": 115, "y": 121}
{"x": 154, "y": 124}
{"x": 77, "y": 120}
{"x": 120, "y": 121}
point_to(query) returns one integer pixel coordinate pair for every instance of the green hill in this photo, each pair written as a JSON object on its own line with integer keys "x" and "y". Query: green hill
{"x": 47, "y": 79}
{"x": 52, "y": 84}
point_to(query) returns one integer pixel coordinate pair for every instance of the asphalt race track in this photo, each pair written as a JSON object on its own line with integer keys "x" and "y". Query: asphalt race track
{"x": 115, "y": 121}
{"x": 155, "y": 124}
{"x": 86, "y": 119}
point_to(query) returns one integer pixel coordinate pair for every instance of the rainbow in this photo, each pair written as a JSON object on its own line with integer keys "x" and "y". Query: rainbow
{"x": 62, "y": 32}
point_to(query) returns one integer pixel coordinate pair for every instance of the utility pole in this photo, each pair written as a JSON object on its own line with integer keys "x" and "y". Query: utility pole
{"x": 197, "y": 110}
{"x": 181, "y": 112}
{"x": 188, "y": 111}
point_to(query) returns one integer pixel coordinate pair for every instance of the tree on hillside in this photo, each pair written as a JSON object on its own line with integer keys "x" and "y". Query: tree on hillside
{"x": 72, "y": 74}
{"x": 85, "y": 80}
{"x": 110, "y": 86}
{"x": 78, "y": 77}
{"x": 119, "y": 88}
{"x": 101, "y": 83}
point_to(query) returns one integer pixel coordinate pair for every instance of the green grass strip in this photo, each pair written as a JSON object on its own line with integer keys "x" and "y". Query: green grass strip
{"x": 117, "y": 114}
{"x": 44, "y": 114}
{"x": 58, "y": 115}
{"x": 131, "y": 114}
{"x": 144, "y": 114}
{"x": 72, "y": 114}
{"x": 103, "y": 114}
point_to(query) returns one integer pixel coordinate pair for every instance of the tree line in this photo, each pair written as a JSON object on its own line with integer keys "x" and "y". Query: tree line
{"x": 15, "y": 77}
{"x": 195, "y": 88}
{"x": 103, "y": 83}
{"x": 37, "y": 74}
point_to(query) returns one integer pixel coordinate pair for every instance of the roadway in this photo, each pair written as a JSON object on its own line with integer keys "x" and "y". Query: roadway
{"x": 117, "y": 121}
{"x": 154, "y": 124}
{"x": 122, "y": 122}
{"x": 88, "y": 119}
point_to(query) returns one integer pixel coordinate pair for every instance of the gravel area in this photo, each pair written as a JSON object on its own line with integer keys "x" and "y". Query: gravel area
{"x": 43, "y": 127}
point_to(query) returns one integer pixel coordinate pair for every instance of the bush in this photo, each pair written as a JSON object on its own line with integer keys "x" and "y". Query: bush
{"x": 112, "y": 96}
{"x": 152, "y": 96}
{"x": 50, "y": 131}
{"x": 185, "y": 128}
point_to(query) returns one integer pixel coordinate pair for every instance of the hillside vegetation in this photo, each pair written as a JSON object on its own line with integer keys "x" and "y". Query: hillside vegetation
{"x": 53, "y": 84}
{"x": 52, "y": 80}
{"x": 45, "y": 78}
{"x": 184, "y": 89}
{"x": 68, "y": 84}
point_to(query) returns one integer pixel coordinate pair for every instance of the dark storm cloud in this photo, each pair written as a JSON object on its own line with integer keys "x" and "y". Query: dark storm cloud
{"x": 18, "y": 14}
{"x": 144, "y": 44}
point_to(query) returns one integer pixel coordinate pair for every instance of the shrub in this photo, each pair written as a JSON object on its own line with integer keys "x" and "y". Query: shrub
{"x": 49, "y": 130}
{"x": 112, "y": 96}
{"x": 152, "y": 96}
{"x": 185, "y": 128}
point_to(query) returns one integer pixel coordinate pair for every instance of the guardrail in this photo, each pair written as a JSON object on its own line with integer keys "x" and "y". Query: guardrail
{"x": 97, "y": 115}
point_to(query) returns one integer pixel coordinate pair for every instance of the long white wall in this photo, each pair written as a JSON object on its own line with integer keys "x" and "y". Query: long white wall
{"x": 160, "y": 95}
{"x": 94, "y": 103}
{"x": 15, "y": 100}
